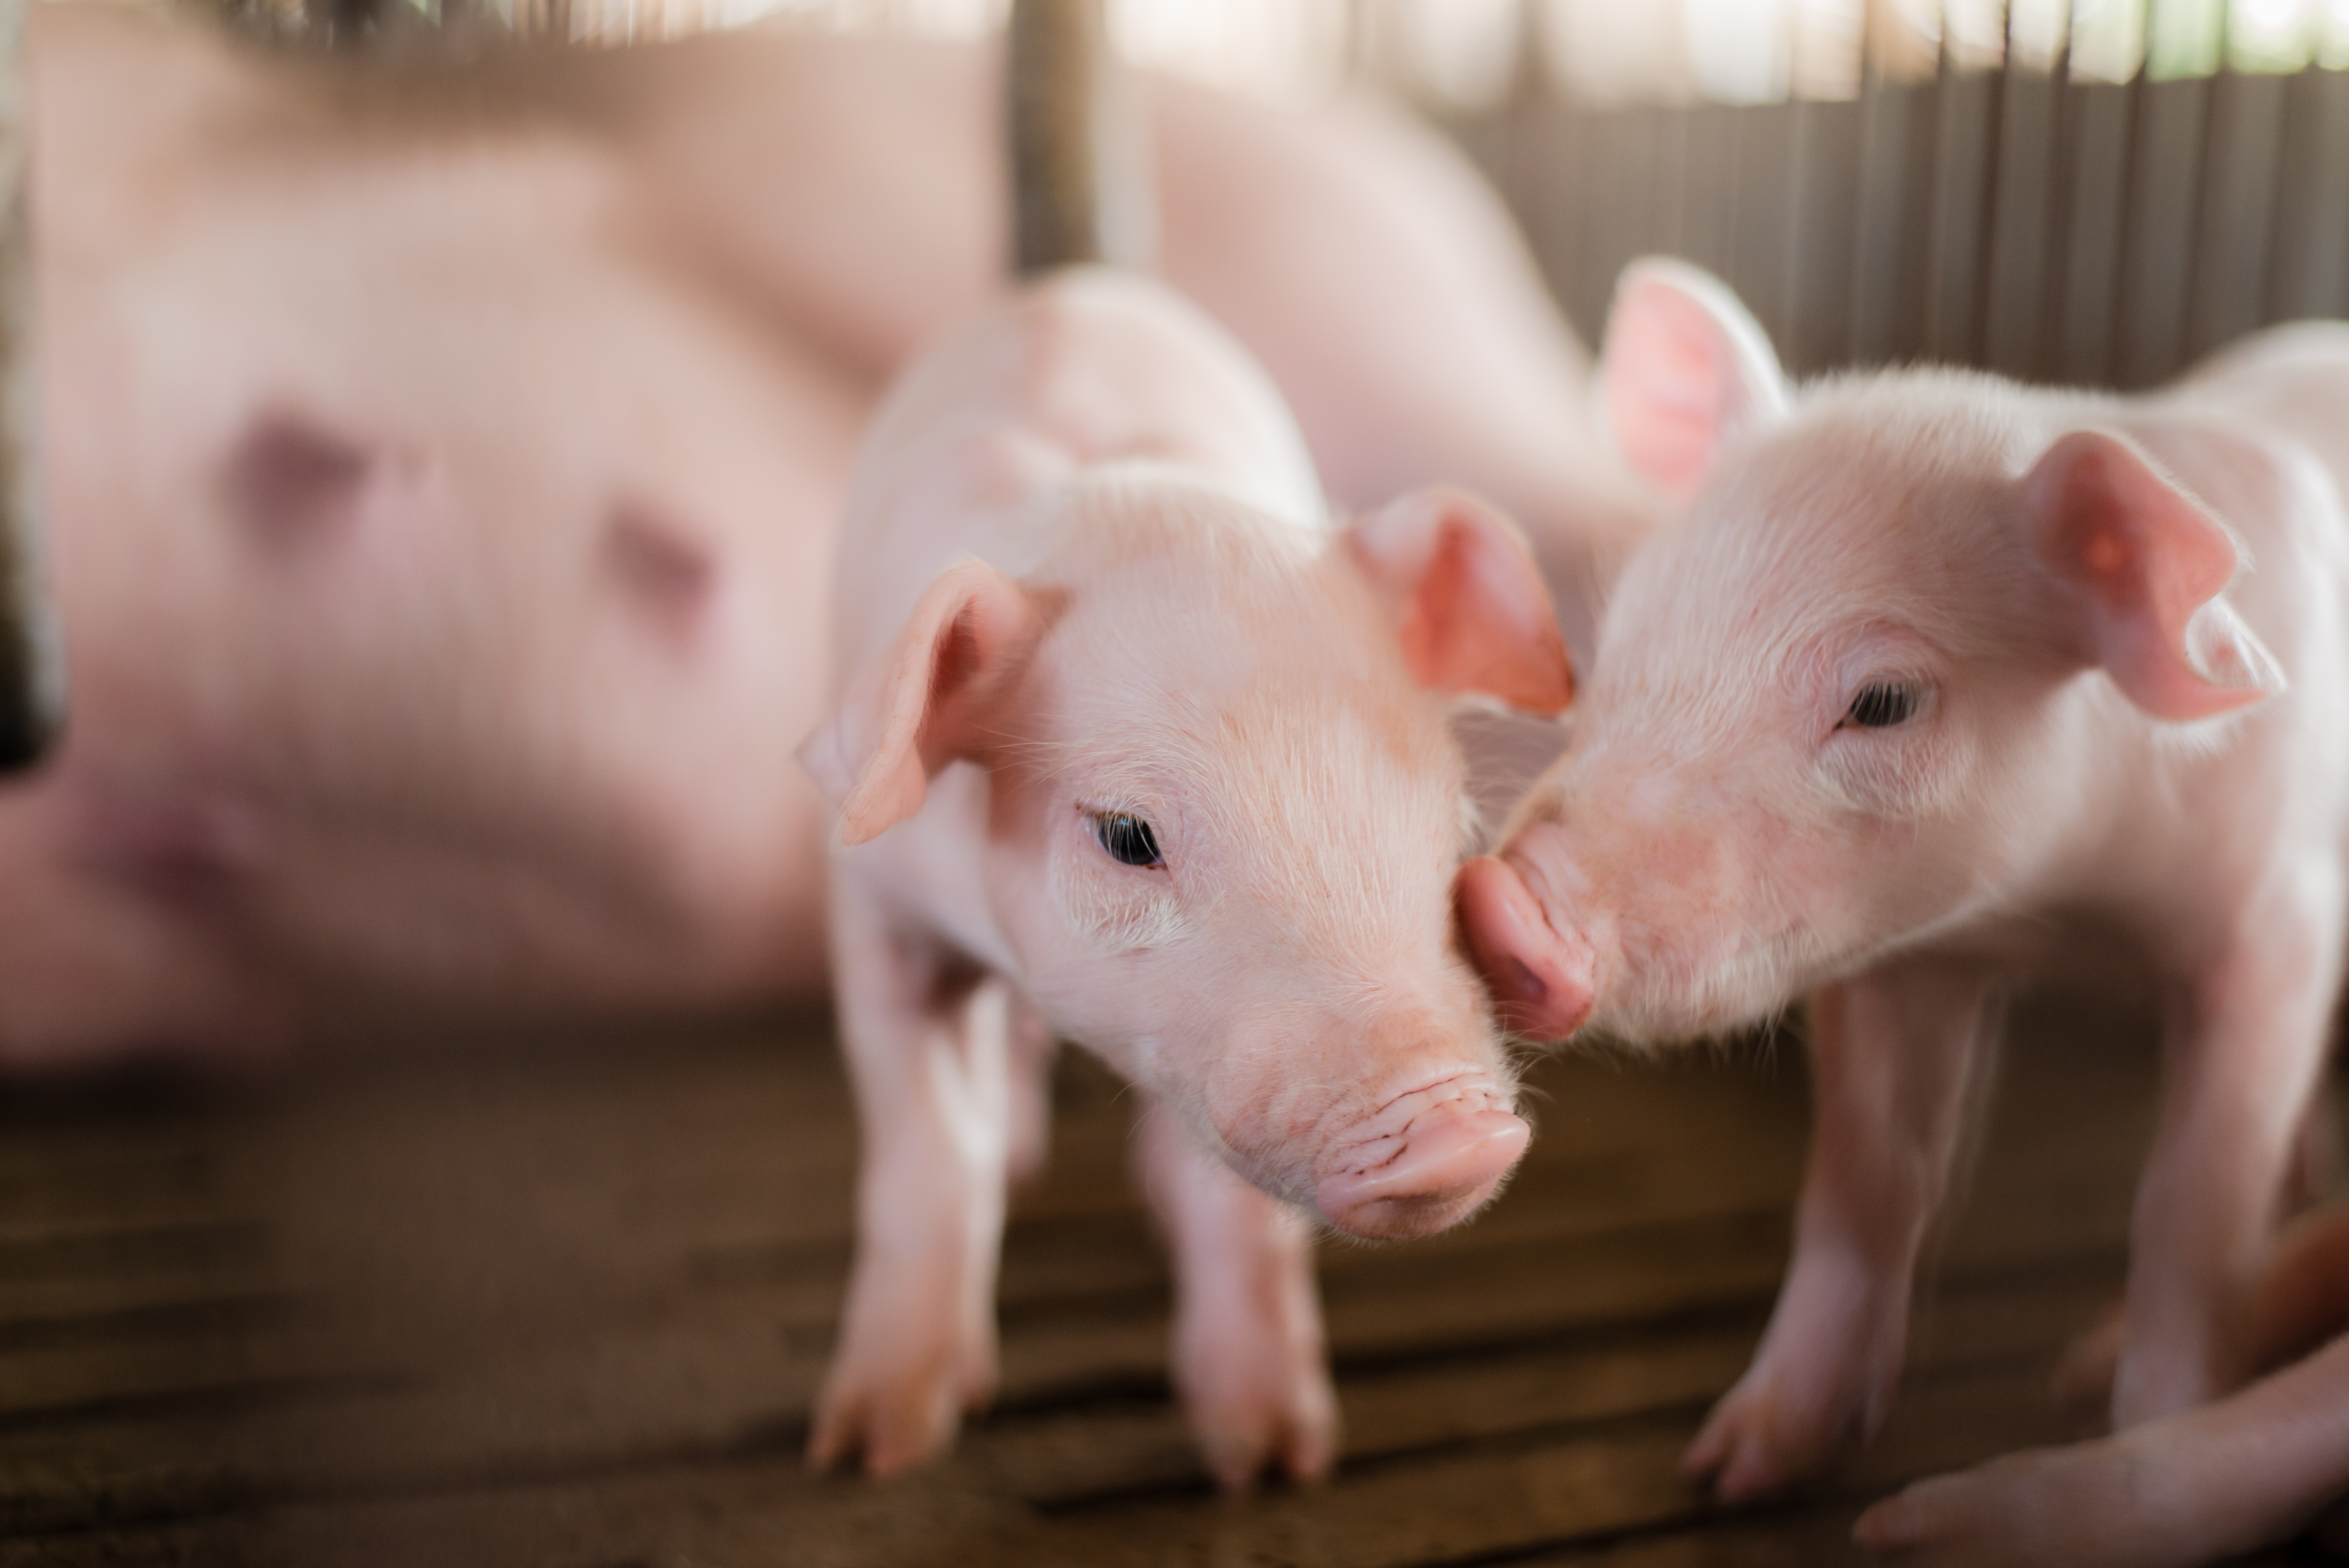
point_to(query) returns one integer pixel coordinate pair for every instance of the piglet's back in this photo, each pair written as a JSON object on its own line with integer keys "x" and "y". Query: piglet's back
{"x": 1086, "y": 369}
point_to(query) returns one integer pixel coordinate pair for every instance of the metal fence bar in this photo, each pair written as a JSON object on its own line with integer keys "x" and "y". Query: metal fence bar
{"x": 2043, "y": 354}
{"x": 2017, "y": 216}
{"x": 2308, "y": 269}
{"x": 31, "y": 658}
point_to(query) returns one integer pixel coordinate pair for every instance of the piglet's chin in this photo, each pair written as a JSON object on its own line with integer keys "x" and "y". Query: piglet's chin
{"x": 1433, "y": 1170}
{"x": 1542, "y": 981}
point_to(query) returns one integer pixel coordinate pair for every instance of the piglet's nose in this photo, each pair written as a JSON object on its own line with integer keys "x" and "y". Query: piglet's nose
{"x": 1436, "y": 1172}
{"x": 1541, "y": 983}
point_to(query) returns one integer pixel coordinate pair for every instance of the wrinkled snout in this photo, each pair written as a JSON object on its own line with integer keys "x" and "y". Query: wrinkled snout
{"x": 1426, "y": 1160}
{"x": 1543, "y": 981}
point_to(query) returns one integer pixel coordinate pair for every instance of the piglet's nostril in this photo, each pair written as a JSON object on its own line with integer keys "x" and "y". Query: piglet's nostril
{"x": 1437, "y": 1172}
{"x": 1427, "y": 1159}
{"x": 1542, "y": 983}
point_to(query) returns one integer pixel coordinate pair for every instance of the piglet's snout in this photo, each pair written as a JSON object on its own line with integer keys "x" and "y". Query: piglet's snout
{"x": 1426, "y": 1160}
{"x": 1542, "y": 983}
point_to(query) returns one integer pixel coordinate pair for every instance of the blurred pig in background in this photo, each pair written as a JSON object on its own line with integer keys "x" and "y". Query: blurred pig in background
{"x": 444, "y": 465}
{"x": 1940, "y": 679}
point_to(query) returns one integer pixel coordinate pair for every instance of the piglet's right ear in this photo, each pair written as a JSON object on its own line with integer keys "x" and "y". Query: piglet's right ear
{"x": 927, "y": 702}
{"x": 1684, "y": 368}
{"x": 2147, "y": 564}
{"x": 1475, "y": 613}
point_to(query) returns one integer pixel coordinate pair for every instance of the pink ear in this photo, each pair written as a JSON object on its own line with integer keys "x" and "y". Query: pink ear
{"x": 1684, "y": 368}
{"x": 2149, "y": 564}
{"x": 1476, "y": 615}
{"x": 924, "y": 704}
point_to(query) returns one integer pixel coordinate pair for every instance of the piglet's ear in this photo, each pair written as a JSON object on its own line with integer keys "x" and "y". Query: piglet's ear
{"x": 2147, "y": 564}
{"x": 1684, "y": 369}
{"x": 927, "y": 702}
{"x": 1476, "y": 614}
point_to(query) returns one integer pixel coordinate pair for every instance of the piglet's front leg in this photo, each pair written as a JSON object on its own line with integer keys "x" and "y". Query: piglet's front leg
{"x": 930, "y": 1053}
{"x": 1895, "y": 1056}
{"x": 1249, "y": 1362}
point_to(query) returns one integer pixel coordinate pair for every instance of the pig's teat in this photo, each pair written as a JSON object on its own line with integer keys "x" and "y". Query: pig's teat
{"x": 1128, "y": 840}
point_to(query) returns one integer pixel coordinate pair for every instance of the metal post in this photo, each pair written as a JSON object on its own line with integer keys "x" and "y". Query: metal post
{"x": 32, "y": 657}
{"x": 1079, "y": 184}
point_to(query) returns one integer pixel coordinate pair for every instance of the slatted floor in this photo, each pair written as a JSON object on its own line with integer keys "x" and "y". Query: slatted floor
{"x": 567, "y": 1305}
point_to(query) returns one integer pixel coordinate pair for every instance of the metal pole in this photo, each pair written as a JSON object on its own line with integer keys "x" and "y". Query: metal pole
{"x": 32, "y": 654}
{"x": 1080, "y": 184}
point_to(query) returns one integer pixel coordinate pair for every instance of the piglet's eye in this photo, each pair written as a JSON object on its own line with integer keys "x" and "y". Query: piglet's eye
{"x": 1128, "y": 838}
{"x": 1884, "y": 704}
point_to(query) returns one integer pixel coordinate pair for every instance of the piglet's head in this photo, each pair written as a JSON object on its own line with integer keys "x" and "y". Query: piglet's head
{"x": 1222, "y": 815}
{"x": 1861, "y": 689}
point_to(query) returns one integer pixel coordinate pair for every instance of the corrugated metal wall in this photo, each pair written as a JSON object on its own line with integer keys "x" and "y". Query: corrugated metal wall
{"x": 2079, "y": 230}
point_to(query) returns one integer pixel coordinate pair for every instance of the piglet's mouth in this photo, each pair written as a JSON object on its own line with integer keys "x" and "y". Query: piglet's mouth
{"x": 1424, "y": 1162}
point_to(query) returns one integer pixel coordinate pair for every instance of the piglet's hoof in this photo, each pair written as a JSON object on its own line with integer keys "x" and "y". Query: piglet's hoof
{"x": 1287, "y": 1431}
{"x": 896, "y": 1424}
{"x": 1787, "y": 1417}
{"x": 1257, "y": 1389}
{"x": 1740, "y": 1451}
{"x": 896, "y": 1394}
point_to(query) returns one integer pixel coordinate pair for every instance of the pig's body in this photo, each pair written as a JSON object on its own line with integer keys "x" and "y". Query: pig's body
{"x": 1135, "y": 742}
{"x": 2265, "y": 1464}
{"x": 1940, "y": 679}
{"x": 444, "y": 468}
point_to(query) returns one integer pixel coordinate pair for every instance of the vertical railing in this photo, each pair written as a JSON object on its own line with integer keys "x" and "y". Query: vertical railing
{"x": 1081, "y": 177}
{"x": 32, "y": 654}
{"x": 1053, "y": 84}
{"x": 2007, "y": 210}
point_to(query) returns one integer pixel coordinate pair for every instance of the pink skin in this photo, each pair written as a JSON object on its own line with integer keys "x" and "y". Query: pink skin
{"x": 2094, "y": 737}
{"x": 443, "y": 519}
{"x": 2253, "y": 1470}
{"x": 1092, "y": 580}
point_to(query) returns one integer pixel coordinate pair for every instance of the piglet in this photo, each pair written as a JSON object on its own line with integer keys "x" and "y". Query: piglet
{"x": 1136, "y": 750}
{"x": 1939, "y": 678}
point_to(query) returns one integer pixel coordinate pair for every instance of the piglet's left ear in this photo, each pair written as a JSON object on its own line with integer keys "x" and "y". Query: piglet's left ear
{"x": 929, "y": 701}
{"x": 2148, "y": 563}
{"x": 1476, "y": 614}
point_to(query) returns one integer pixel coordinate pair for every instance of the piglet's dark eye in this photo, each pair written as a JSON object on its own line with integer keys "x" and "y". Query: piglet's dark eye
{"x": 1128, "y": 838}
{"x": 1883, "y": 706}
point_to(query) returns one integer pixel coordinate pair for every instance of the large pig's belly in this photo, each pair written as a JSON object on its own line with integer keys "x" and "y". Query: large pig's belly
{"x": 444, "y": 476}
{"x": 451, "y": 651}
